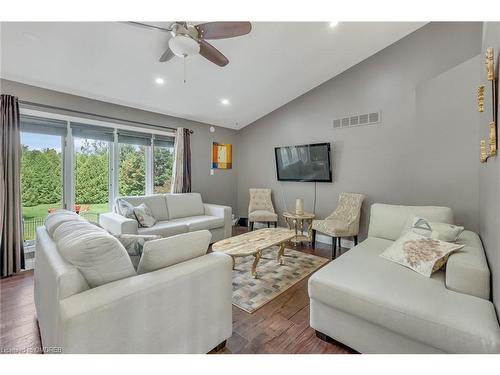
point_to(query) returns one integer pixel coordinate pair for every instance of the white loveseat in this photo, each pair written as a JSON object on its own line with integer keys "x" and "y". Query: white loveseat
{"x": 175, "y": 214}
{"x": 377, "y": 306}
{"x": 184, "y": 307}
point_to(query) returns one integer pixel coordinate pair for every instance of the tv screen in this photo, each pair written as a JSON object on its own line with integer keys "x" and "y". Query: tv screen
{"x": 304, "y": 163}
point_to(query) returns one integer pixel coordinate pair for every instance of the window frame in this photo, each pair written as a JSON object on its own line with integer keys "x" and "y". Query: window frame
{"x": 68, "y": 154}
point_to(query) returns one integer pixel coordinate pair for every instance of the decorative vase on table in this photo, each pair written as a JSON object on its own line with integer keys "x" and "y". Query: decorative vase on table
{"x": 299, "y": 206}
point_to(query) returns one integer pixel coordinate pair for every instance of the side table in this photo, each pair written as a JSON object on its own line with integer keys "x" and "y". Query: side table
{"x": 296, "y": 222}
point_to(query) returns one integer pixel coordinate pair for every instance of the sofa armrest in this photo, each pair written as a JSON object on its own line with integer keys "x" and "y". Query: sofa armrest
{"x": 224, "y": 212}
{"x": 118, "y": 224}
{"x": 185, "y": 308}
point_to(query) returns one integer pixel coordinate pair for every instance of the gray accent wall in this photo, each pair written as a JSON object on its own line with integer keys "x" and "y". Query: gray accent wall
{"x": 219, "y": 188}
{"x": 489, "y": 174}
{"x": 424, "y": 152}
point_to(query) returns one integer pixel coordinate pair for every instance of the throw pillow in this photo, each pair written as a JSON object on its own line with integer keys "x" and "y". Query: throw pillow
{"x": 125, "y": 209}
{"x": 422, "y": 254}
{"x": 134, "y": 243}
{"x": 144, "y": 216}
{"x": 172, "y": 250}
{"x": 440, "y": 231}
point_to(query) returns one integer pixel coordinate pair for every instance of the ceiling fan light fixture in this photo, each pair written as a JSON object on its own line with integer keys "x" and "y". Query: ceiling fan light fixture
{"x": 183, "y": 46}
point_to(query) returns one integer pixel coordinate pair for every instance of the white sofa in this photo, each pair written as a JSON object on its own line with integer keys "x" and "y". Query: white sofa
{"x": 376, "y": 306}
{"x": 182, "y": 308}
{"x": 175, "y": 214}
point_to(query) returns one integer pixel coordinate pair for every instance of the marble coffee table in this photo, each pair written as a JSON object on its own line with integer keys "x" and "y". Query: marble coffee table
{"x": 253, "y": 243}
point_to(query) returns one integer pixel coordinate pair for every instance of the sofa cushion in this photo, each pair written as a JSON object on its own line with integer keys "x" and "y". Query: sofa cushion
{"x": 166, "y": 252}
{"x": 467, "y": 270}
{"x": 387, "y": 221}
{"x": 155, "y": 202}
{"x": 98, "y": 255}
{"x": 262, "y": 215}
{"x": 58, "y": 217}
{"x": 184, "y": 205}
{"x": 165, "y": 229}
{"x": 365, "y": 285}
{"x": 201, "y": 222}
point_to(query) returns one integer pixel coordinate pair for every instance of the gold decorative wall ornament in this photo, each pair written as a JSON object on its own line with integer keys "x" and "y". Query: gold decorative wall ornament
{"x": 481, "y": 93}
{"x": 490, "y": 68}
{"x": 493, "y": 139}
{"x": 480, "y": 98}
{"x": 484, "y": 154}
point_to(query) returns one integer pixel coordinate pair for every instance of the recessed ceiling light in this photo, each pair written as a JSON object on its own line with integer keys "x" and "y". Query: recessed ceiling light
{"x": 225, "y": 101}
{"x": 333, "y": 23}
{"x": 159, "y": 81}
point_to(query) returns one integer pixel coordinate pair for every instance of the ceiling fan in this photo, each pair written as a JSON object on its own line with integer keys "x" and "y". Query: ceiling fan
{"x": 187, "y": 39}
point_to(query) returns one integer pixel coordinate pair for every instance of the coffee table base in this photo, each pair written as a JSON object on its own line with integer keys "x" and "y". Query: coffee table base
{"x": 257, "y": 256}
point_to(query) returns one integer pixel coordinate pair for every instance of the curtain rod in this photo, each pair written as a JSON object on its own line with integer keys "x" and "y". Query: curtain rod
{"x": 32, "y": 104}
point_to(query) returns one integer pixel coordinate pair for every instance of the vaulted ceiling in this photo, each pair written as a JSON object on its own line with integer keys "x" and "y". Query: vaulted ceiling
{"x": 118, "y": 63}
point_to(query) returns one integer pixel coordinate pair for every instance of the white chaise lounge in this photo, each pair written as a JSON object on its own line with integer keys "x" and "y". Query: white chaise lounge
{"x": 376, "y": 306}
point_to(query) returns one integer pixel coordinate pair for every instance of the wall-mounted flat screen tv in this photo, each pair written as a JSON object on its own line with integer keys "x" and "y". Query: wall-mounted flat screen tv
{"x": 307, "y": 163}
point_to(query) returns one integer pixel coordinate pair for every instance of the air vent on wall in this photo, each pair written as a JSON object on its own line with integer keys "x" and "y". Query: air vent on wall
{"x": 357, "y": 120}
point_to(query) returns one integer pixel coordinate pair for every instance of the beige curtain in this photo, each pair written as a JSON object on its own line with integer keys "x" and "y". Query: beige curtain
{"x": 181, "y": 172}
{"x": 11, "y": 228}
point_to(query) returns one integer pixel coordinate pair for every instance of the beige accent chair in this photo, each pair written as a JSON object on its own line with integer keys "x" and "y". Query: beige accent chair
{"x": 260, "y": 208}
{"x": 343, "y": 222}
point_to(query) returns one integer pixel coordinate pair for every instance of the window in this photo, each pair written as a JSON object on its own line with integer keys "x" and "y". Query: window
{"x": 163, "y": 160}
{"x": 92, "y": 146}
{"x": 83, "y": 165}
{"x": 41, "y": 170}
{"x": 132, "y": 163}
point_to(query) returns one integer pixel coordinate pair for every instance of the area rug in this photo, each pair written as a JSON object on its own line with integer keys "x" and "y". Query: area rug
{"x": 250, "y": 294}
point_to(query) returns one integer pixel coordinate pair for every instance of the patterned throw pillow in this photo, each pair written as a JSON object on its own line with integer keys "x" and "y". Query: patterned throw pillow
{"x": 144, "y": 216}
{"x": 125, "y": 209}
{"x": 422, "y": 254}
{"x": 439, "y": 231}
{"x": 134, "y": 244}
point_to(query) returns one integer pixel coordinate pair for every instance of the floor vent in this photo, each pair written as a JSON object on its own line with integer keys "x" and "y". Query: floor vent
{"x": 357, "y": 120}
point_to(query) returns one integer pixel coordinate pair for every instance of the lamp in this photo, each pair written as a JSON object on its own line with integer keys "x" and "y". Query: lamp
{"x": 184, "y": 46}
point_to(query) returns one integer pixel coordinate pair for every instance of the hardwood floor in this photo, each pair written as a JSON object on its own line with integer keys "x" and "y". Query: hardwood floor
{"x": 281, "y": 326}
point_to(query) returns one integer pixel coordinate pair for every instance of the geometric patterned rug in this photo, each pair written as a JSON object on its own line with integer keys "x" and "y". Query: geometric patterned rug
{"x": 250, "y": 294}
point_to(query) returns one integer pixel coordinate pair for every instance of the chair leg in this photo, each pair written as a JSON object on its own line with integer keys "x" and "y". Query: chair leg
{"x": 313, "y": 239}
{"x": 340, "y": 245}
{"x": 334, "y": 247}
{"x": 268, "y": 224}
{"x": 251, "y": 226}
{"x": 355, "y": 240}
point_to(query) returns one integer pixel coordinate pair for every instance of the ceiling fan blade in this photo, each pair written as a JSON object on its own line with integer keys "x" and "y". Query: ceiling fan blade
{"x": 221, "y": 30}
{"x": 211, "y": 53}
{"x": 167, "y": 55}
